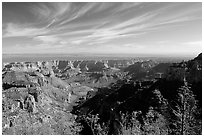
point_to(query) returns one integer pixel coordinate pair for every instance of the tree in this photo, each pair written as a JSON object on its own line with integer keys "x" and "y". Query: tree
{"x": 155, "y": 123}
{"x": 185, "y": 109}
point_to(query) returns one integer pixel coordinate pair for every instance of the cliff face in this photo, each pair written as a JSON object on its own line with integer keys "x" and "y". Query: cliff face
{"x": 104, "y": 70}
{"x": 99, "y": 73}
{"x": 89, "y": 66}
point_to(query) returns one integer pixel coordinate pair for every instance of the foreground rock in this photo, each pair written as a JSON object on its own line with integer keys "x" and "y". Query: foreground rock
{"x": 37, "y": 102}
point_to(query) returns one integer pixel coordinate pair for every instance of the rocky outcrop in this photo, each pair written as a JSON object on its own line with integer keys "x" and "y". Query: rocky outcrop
{"x": 34, "y": 100}
{"x": 29, "y": 104}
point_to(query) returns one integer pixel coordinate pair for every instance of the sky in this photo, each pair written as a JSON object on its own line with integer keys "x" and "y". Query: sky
{"x": 102, "y": 28}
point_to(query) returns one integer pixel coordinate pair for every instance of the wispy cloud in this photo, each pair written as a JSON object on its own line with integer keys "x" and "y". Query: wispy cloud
{"x": 162, "y": 42}
{"x": 14, "y": 30}
{"x": 193, "y": 43}
{"x": 98, "y": 23}
{"x": 60, "y": 14}
{"x": 47, "y": 39}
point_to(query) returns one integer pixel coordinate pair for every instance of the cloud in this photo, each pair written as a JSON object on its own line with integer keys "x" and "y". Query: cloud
{"x": 14, "y": 30}
{"x": 134, "y": 46}
{"x": 50, "y": 11}
{"x": 58, "y": 15}
{"x": 47, "y": 39}
{"x": 193, "y": 43}
{"x": 162, "y": 42}
{"x": 133, "y": 21}
{"x": 81, "y": 11}
{"x": 123, "y": 29}
{"x": 98, "y": 23}
{"x": 52, "y": 22}
{"x": 40, "y": 10}
{"x": 76, "y": 42}
{"x": 178, "y": 20}
{"x": 135, "y": 26}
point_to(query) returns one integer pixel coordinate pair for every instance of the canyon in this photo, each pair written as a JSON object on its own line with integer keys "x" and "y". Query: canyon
{"x": 50, "y": 97}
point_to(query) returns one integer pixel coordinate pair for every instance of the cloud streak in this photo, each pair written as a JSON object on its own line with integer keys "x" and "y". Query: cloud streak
{"x": 14, "y": 30}
{"x": 193, "y": 43}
